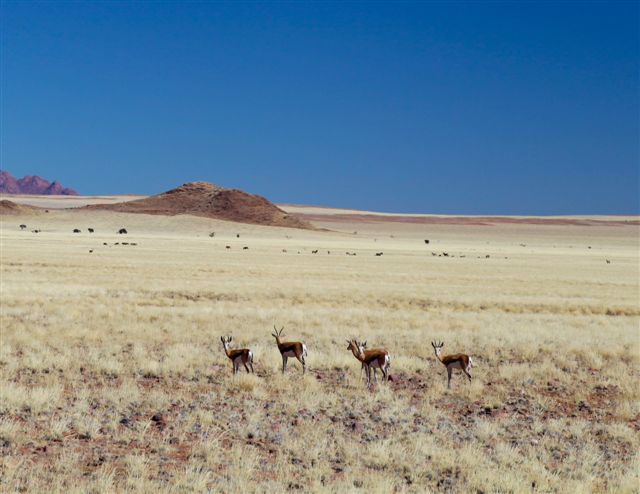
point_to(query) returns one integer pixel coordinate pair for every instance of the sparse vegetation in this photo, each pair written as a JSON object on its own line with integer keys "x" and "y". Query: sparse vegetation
{"x": 113, "y": 377}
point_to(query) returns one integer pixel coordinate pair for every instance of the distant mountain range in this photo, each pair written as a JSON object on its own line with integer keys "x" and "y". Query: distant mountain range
{"x": 32, "y": 184}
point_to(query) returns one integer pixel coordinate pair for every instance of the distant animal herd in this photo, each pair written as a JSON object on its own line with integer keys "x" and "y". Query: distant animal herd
{"x": 123, "y": 231}
{"x": 370, "y": 359}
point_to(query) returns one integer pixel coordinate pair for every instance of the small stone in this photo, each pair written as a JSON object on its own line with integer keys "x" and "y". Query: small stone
{"x": 357, "y": 427}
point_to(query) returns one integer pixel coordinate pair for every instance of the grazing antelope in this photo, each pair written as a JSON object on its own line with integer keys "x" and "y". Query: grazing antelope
{"x": 288, "y": 349}
{"x": 238, "y": 355}
{"x": 376, "y": 358}
{"x": 456, "y": 361}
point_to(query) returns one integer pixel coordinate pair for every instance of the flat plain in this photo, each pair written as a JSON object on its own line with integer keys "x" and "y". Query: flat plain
{"x": 113, "y": 377}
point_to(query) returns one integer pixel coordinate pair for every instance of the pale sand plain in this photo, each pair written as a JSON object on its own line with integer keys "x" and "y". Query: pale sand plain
{"x": 113, "y": 377}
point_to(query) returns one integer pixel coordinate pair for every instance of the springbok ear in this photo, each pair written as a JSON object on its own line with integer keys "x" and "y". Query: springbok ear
{"x": 230, "y": 339}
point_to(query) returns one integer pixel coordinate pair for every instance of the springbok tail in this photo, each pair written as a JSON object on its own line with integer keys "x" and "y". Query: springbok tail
{"x": 304, "y": 350}
{"x": 471, "y": 364}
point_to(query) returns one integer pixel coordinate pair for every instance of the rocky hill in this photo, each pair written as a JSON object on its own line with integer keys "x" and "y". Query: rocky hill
{"x": 211, "y": 201}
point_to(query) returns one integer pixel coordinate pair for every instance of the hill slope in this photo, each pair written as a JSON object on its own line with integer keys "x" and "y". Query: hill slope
{"x": 10, "y": 208}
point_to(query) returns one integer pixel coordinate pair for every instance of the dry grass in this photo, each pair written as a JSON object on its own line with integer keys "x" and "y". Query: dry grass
{"x": 113, "y": 377}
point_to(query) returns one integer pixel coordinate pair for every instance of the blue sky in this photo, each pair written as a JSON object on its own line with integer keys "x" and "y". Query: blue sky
{"x": 463, "y": 108}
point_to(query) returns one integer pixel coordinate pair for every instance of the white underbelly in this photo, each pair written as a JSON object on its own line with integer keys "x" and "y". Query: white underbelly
{"x": 455, "y": 365}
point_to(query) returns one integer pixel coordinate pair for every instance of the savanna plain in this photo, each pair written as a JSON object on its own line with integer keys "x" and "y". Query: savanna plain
{"x": 113, "y": 376}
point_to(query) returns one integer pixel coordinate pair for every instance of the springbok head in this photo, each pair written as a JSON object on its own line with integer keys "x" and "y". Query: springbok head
{"x": 437, "y": 347}
{"x": 278, "y": 333}
{"x": 362, "y": 346}
{"x": 354, "y": 346}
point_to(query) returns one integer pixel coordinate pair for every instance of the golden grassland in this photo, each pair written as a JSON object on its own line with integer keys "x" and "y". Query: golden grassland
{"x": 113, "y": 377}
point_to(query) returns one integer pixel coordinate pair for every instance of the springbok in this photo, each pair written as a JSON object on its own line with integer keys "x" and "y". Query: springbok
{"x": 376, "y": 358}
{"x": 456, "y": 361}
{"x": 238, "y": 355}
{"x": 288, "y": 349}
{"x": 358, "y": 353}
